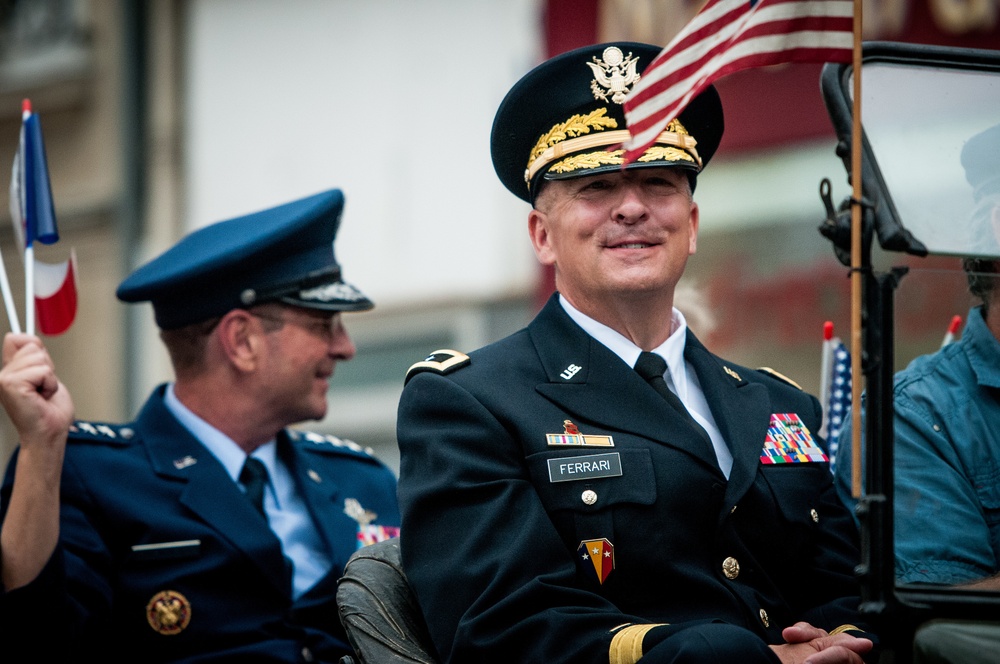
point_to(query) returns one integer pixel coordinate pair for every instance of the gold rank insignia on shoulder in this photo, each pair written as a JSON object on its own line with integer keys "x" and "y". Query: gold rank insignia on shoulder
{"x": 571, "y": 436}
{"x": 440, "y": 361}
{"x": 780, "y": 376}
{"x": 168, "y": 612}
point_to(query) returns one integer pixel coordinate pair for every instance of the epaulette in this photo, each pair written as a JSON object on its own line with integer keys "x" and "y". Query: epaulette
{"x": 327, "y": 439}
{"x": 780, "y": 376}
{"x": 440, "y": 361}
{"x": 101, "y": 432}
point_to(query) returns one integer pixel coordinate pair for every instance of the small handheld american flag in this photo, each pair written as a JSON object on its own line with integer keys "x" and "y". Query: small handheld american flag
{"x": 835, "y": 389}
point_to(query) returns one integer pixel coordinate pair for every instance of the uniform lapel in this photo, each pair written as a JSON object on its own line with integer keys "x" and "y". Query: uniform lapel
{"x": 209, "y": 491}
{"x": 324, "y": 501}
{"x": 592, "y": 384}
{"x": 741, "y": 410}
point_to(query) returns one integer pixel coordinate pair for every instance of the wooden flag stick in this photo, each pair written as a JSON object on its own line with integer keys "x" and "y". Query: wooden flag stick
{"x": 856, "y": 276}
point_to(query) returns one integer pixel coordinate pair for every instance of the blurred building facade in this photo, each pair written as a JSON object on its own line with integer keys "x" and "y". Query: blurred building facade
{"x": 160, "y": 117}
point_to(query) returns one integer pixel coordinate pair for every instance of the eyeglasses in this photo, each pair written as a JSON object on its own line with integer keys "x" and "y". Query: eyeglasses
{"x": 326, "y": 328}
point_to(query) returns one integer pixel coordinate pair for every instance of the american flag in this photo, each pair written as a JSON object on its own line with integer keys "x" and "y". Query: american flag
{"x": 727, "y": 36}
{"x": 839, "y": 399}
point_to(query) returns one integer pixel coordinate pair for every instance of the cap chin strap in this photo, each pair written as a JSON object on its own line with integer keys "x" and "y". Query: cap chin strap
{"x": 685, "y": 142}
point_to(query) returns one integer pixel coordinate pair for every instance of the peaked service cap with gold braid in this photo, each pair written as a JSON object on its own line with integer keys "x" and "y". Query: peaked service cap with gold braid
{"x": 559, "y": 120}
{"x": 281, "y": 254}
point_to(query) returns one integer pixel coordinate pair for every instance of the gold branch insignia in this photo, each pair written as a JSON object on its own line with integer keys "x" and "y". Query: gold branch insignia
{"x": 587, "y": 160}
{"x": 657, "y": 153}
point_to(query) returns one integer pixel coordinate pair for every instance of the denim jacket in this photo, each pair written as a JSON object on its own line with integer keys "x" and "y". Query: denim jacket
{"x": 947, "y": 461}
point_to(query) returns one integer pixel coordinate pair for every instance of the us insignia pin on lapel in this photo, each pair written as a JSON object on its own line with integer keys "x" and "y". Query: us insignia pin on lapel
{"x": 600, "y": 553}
{"x": 788, "y": 441}
{"x": 571, "y": 436}
{"x": 184, "y": 462}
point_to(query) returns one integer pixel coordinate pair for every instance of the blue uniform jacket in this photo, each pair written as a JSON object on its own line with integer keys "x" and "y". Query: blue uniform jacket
{"x": 492, "y": 532}
{"x": 222, "y": 574}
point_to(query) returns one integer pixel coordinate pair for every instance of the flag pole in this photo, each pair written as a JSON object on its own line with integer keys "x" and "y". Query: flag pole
{"x": 29, "y": 289}
{"x": 8, "y": 299}
{"x": 856, "y": 276}
{"x": 30, "y": 221}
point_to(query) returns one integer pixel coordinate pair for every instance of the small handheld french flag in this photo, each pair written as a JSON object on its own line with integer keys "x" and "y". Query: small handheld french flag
{"x": 50, "y": 289}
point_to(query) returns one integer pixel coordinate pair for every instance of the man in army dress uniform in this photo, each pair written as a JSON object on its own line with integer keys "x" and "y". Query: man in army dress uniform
{"x": 599, "y": 486}
{"x": 138, "y": 542}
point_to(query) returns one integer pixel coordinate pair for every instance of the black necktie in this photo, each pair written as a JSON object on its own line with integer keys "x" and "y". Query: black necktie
{"x": 254, "y": 478}
{"x": 652, "y": 367}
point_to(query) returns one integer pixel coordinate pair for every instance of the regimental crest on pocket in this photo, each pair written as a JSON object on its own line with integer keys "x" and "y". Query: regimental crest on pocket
{"x": 599, "y": 556}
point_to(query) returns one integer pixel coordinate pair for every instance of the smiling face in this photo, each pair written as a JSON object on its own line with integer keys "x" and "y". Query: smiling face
{"x": 616, "y": 238}
{"x": 304, "y": 348}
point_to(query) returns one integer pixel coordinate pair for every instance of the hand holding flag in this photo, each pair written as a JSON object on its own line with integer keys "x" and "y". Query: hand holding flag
{"x": 727, "y": 36}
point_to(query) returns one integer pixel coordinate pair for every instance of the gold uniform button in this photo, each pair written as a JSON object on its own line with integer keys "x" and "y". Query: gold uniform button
{"x": 731, "y": 567}
{"x": 589, "y": 497}
{"x": 815, "y": 515}
{"x": 764, "y": 619}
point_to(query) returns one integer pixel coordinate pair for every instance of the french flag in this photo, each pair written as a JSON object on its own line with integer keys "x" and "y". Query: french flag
{"x": 55, "y": 295}
{"x": 50, "y": 288}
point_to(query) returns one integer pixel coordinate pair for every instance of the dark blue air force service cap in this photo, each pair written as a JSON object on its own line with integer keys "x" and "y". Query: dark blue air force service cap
{"x": 561, "y": 118}
{"x": 282, "y": 254}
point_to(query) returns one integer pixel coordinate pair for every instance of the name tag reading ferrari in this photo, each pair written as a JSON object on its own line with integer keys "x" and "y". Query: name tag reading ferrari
{"x": 585, "y": 467}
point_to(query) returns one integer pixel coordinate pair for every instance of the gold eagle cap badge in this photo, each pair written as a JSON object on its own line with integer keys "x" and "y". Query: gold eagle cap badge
{"x": 614, "y": 74}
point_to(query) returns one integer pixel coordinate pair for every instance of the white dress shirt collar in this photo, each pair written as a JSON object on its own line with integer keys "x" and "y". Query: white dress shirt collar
{"x": 671, "y": 350}
{"x": 222, "y": 447}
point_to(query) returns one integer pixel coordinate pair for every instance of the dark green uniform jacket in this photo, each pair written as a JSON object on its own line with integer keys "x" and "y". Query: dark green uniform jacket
{"x": 523, "y": 548}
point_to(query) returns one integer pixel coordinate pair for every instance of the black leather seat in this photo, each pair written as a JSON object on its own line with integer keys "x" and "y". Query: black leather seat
{"x": 378, "y": 610}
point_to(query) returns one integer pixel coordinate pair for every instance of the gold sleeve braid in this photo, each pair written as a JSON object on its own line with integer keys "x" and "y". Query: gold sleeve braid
{"x": 626, "y": 646}
{"x": 846, "y": 628}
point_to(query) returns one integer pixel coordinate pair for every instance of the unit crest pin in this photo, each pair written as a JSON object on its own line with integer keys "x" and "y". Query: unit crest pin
{"x": 168, "y": 612}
